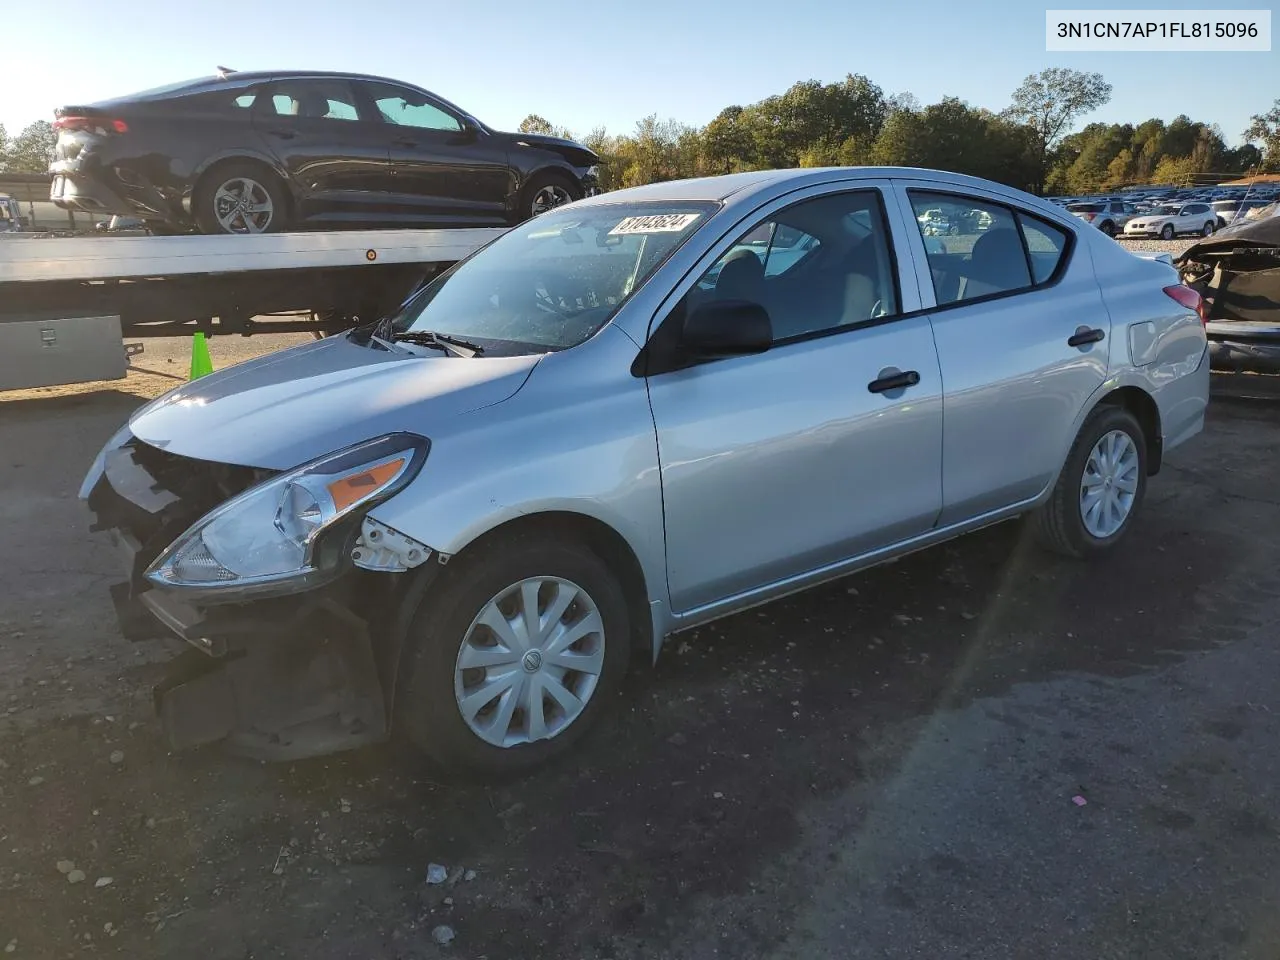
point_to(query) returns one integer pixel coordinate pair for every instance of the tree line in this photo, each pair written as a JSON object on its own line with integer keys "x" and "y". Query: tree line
{"x": 1026, "y": 145}
{"x": 30, "y": 151}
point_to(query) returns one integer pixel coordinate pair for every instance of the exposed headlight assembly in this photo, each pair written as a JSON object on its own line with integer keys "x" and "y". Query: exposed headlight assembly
{"x": 268, "y": 540}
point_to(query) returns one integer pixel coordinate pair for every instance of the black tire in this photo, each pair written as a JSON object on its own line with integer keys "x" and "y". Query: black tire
{"x": 551, "y": 181}
{"x": 1167, "y": 232}
{"x": 1108, "y": 227}
{"x": 426, "y": 705}
{"x": 1209, "y": 227}
{"x": 204, "y": 198}
{"x": 1057, "y": 523}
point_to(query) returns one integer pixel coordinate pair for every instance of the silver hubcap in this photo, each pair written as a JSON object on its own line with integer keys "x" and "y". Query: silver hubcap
{"x": 1109, "y": 484}
{"x": 529, "y": 662}
{"x": 243, "y": 205}
{"x": 548, "y": 197}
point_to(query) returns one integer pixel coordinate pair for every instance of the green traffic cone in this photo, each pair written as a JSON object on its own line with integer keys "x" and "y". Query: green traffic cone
{"x": 200, "y": 362}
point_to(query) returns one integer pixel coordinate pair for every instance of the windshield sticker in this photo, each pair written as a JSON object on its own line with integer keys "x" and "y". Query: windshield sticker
{"x": 654, "y": 223}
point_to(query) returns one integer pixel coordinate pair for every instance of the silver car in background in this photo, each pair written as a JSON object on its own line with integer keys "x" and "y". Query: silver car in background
{"x": 615, "y": 423}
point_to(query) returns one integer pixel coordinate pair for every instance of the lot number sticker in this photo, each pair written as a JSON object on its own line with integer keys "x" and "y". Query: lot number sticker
{"x": 654, "y": 223}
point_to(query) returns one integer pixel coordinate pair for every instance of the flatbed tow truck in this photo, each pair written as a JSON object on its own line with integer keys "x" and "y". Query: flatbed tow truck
{"x": 67, "y": 305}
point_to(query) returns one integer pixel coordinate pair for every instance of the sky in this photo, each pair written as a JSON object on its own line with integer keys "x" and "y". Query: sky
{"x": 584, "y": 65}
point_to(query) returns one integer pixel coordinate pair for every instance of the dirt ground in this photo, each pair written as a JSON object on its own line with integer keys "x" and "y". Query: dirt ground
{"x": 890, "y": 766}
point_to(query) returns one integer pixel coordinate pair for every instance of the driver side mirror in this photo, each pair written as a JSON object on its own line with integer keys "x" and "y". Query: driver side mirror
{"x": 727, "y": 328}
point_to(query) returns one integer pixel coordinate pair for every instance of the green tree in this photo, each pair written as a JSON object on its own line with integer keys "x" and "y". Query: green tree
{"x": 1264, "y": 129}
{"x": 951, "y": 135}
{"x": 727, "y": 141}
{"x": 1049, "y": 102}
{"x": 535, "y": 124}
{"x": 811, "y": 113}
{"x": 31, "y": 151}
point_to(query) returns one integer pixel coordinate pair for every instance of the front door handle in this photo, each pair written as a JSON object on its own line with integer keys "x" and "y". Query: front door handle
{"x": 283, "y": 134}
{"x": 894, "y": 381}
{"x": 1085, "y": 335}
{"x": 405, "y": 143}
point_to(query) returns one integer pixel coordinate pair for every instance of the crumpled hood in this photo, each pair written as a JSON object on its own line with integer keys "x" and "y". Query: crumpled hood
{"x": 289, "y": 407}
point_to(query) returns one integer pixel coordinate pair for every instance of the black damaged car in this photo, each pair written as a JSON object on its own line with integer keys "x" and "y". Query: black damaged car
{"x": 270, "y": 151}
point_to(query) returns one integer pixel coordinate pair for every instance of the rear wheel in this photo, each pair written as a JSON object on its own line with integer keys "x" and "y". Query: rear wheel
{"x": 1209, "y": 227}
{"x": 1108, "y": 228}
{"x": 547, "y": 191}
{"x": 1167, "y": 232}
{"x": 241, "y": 198}
{"x": 514, "y": 655}
{"x": 1100, "y": 489}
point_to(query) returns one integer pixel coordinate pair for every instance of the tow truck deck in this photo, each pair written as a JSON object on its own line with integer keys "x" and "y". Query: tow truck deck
{"x": 66, "y": 304}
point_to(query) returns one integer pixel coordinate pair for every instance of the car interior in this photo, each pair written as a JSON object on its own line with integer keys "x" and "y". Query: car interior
{"x": 841, "y": 275}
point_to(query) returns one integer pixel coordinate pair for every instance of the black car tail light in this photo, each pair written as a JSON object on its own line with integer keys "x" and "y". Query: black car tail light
{"x": 98, "y": 125}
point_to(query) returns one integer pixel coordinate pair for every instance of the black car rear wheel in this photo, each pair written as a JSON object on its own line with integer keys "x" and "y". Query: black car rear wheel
{"x": 547, "y": 191}
{"x": 241, "y": 198}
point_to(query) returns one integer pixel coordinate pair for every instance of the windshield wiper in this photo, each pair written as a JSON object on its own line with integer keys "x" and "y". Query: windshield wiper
{"x": 442, "y": 341}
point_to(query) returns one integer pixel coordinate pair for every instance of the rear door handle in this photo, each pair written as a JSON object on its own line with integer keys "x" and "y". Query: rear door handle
{"x": 405, "y": 143}
{"x": 894, "y": 381}
{"x": 1085, "y": 335}
{"x": 283, "y": 134}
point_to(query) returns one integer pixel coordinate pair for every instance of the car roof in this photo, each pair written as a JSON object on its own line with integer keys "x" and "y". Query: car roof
{"x": 760, "y": 185}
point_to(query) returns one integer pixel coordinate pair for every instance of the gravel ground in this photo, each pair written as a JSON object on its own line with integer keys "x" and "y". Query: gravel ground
{"x": 1163, "y": 246}
{"x": 978, "y": 751}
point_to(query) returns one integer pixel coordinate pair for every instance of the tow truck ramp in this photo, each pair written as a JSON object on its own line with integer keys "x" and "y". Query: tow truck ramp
{"x": 66, "y": 304}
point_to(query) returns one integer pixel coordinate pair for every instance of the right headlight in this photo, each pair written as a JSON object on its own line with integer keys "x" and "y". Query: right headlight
{"x": 268, "y": 539}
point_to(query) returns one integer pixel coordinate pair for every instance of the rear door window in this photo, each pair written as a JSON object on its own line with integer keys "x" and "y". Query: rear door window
{"x": 316, "y": 99}
{"x": 979, "y": 248}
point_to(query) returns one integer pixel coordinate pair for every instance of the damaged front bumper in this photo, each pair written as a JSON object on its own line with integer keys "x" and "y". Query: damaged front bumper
{"x": 275, "y": 678}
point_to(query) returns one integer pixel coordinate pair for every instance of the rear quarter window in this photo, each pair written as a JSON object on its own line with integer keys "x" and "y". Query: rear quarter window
{"x": 1046, "y": 246}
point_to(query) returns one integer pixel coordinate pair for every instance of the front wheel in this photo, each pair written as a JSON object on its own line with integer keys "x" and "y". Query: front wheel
{"x": 513, "y": 656}
{"x": 1109, "y": 228}
{"x": 546, "y": 192}
{"x": 1100, "y": 489}
{"x": 1167, "y": 232}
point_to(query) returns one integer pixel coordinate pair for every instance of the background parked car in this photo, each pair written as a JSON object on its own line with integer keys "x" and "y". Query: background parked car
{"x": 1109, "y": 216}
{"x": 1169, "y": 222}
{"x": 265, "y": 152}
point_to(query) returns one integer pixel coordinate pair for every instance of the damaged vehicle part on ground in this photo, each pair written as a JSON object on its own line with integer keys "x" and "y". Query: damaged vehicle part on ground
{"x": 624, "y": 419}
{"x": 1237, "y": 272}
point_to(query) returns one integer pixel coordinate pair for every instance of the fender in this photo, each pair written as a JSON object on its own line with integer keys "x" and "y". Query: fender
{"x": 239, "y": 153}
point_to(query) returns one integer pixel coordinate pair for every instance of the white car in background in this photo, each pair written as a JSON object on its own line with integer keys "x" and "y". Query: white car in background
{"x": 1168, "y": 222}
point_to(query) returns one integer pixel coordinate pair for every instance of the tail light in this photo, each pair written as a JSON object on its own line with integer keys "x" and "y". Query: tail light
{"x": 98, "y": 125}
{"x": 1188, "y": 298}
{"x": 1090, "y": 217}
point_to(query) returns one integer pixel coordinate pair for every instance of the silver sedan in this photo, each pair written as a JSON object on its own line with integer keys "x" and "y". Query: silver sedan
{"x": 625, "y": 418}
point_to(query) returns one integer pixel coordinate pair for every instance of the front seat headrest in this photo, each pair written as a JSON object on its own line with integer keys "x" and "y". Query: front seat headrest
{"x": 741, "y": 277}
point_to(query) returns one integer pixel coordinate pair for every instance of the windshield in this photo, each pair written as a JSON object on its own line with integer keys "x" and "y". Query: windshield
{"x": 553, "y": 281}
{"x": 1085, "y": 208}
{"x": 1166, "y": 211}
